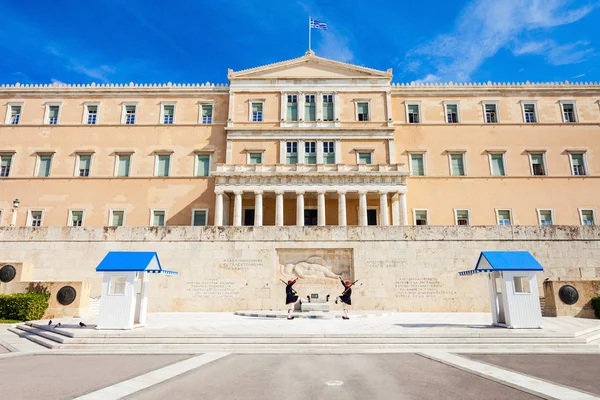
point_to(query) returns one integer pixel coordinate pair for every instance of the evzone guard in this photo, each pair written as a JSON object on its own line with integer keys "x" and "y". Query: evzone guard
{"x": 346, "y": 296}
{"x": 290, "y": 297}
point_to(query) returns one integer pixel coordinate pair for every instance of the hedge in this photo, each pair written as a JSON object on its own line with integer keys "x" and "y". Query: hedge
{"x": 23, "y": 306}
{"x": 596, "y": 305}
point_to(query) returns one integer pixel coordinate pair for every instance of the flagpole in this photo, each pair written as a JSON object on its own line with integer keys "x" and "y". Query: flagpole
{"x": 309, "y": 33}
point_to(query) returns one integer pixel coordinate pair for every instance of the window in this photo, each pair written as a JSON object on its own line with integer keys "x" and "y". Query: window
{"x": 5, "y": 163}
{"x": 44, "y": 165}
{"x": 76, "y": 218}
{"x": 117, "y": 218}
{"x": 578, "y": 163}
{"x": 158, "y": 217}
{"x": 417, "y": 164}
{"x": 91, "y": 114}
{"x": 365, "y": 158}
{"x": 362, "y": 111}
{"x": 497, "y": 164}
{"x": 421, "y": 217}
{"x": 255, "y": 158}
{"x": 84, "y": 162}
{"x": 34, "y": 217}
{"x": 457, "y": 164}
{"x": 491, "y": 113}
{"x": 202, "y": 164}
{"x": 521, "y": 284}
{"x": 13, "y": 116}
{"x": 129, "y": 112}
{"x": 163, "y": 164}
{"x": 123, "y": 165}
{"x": 257, "y": 112}
{"x": 292, "y": 107}
{"x": 530, "y": 113}
{"x": 329, "y": 152}
{"x": 462, "y": 217}
{"x": 327, "y": 107}
{"x": 545, "y": 217}
{"x": 412, "y": 111}
{"x": 199, "y": 217}
{"x": 588, "y": 217}
{"x": 538, "y": 165}
{"x": 117, "y": 285}
{"x": 52, "y": 114}
{"x": 451, "y": 113}
{"x": 291, "y": 152}
{"x": 207, "y": 113}
{"x": 569, "y": 111}
{"x": 168, "y": 114}
{"x": 310, "y": 113}
{"x": 310, "y": 152}
{"x": 504, "y": 217}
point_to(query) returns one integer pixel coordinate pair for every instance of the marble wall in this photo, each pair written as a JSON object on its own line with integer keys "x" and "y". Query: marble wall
{"x": 404, "y": 268}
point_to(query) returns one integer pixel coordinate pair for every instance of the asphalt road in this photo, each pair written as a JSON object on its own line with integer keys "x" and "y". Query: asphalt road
{"x": 331, "y": 377}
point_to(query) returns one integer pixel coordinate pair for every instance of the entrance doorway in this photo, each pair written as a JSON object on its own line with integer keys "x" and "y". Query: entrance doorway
{"x": 311, "y": 217}
{"x": 249, "y": 217}
{"x": 372, "y": 216}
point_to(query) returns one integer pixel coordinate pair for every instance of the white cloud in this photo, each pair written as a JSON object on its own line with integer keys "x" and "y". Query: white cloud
{"x": 556, "y": 54}
{"x": 429, "y": 78}
{"x": 334, "y": 46}
{"x": 484, "y": 27}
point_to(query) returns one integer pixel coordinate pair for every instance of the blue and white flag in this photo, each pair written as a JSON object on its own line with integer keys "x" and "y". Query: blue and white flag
{"x": 314, "y": 24}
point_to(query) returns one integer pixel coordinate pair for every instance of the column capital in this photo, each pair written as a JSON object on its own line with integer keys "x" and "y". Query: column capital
{"x": 238, "y": 192}
{"x": 363, "y": 192}
{"x": 342, "y": 191}
{"x": 219, "y": 192}
{"x": 279, "y": 192}
{"x": 321, "y": 191}
{"x": 300, "y": 192}
{"x": 382, "y": 192}
{"x": 258, "y": 191}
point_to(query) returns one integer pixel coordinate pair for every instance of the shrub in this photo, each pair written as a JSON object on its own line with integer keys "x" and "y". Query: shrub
{"x": 596, "y": 305}
{"x": 23, "y": 306}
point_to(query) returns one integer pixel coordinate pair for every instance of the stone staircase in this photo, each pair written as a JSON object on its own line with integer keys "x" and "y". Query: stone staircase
{"x": 485, "y": 340}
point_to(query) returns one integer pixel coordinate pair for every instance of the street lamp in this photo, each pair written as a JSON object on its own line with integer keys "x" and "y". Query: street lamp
{"x": 13, "y": 221}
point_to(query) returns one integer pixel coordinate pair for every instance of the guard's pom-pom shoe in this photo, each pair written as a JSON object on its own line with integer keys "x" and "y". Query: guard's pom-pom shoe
{"x": 345, "y": 317}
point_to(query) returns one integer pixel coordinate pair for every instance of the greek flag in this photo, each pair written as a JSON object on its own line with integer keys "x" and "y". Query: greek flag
{"x": 318, "y": 25}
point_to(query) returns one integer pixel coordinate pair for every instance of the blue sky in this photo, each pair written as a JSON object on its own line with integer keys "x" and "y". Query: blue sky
{"x": 191, "y": 41}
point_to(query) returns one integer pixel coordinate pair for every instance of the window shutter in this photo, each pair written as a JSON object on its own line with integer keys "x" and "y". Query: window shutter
{"x": 203, "y": 165}
{"x": 124, "y": 162}
{"x": 199, "y": 218}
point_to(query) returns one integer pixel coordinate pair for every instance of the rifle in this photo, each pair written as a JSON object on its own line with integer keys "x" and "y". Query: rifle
{"x": 285, "y": 283}
{"x": 349, "y": 286}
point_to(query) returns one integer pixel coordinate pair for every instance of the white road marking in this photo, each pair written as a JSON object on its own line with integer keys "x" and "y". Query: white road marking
{"x": 141, "y": 382}
{"x": 334, "y": 383}
{"x": 518, "y": 381}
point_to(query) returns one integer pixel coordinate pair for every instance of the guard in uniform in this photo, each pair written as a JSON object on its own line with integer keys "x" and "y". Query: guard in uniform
{"x": 290, "y": 297}
{"x": 346, "y": 297}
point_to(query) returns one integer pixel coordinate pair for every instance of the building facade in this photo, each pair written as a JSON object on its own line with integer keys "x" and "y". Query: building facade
{"x": 308, "y": 141}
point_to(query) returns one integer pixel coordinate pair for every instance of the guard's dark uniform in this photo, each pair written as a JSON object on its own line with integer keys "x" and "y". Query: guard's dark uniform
{"x": 290, "y": 296}
{"x": 346, "y": 297}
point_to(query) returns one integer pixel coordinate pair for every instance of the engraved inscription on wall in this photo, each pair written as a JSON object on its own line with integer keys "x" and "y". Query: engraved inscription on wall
{"x": 421, "y": 288}
{"x": 212, "y": 288}
{"x": 240, "y": 263}
{"x": 385, "y": 263}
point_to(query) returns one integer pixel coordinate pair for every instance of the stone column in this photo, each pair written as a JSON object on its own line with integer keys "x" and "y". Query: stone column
{"x": 279, "y": 207}
{"x": 341, "y": 208}
{"x": 258, "y": 208}
{"x": 362, "y": 208}
{"x": 299, "y": 208}
{"x": 319, "y": 149}
{"x": 13, "y": 218}
{"x": 321, "y": 207}
{"x": 219, "y": 209}
{"x": 396, "y": 209}
{"x": 403, "y": 209}
{"x": 383, "y": 209}
{"x": 237, "y": 208}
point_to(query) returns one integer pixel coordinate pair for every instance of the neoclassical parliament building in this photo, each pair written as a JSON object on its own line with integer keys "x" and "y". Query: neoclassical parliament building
{"x": 307, "y": 141}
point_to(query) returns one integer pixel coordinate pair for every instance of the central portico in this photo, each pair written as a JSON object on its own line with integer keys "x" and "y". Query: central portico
{"x": 356, "y": 185}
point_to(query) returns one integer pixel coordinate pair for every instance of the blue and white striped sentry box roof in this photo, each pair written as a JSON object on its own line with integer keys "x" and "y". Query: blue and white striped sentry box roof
{"x": 132, "y": 261}
{"x": 490, "y": 261}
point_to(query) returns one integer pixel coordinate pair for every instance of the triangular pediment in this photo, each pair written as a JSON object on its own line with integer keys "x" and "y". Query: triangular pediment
{"x": 310, "y": 66}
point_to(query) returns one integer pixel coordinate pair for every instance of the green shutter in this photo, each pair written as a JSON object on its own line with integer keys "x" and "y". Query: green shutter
{"x": 292, "y": 112}
{"x": 458, "y": 167}
{"x": 45, "y": 163}
{"x": 203, "y": 168}
{"x": 199, "y": 218}
{"x": 497, "y": 165}
{"x": 163, "y": 165}
{"x": 84, "y": 162}
{"x": 416, "y": 165}
{"x": 124, "y": 162}
{"x": 118, "y": 218}
{"x": 364, "y": 158}
{"x": 159, "y": 218}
